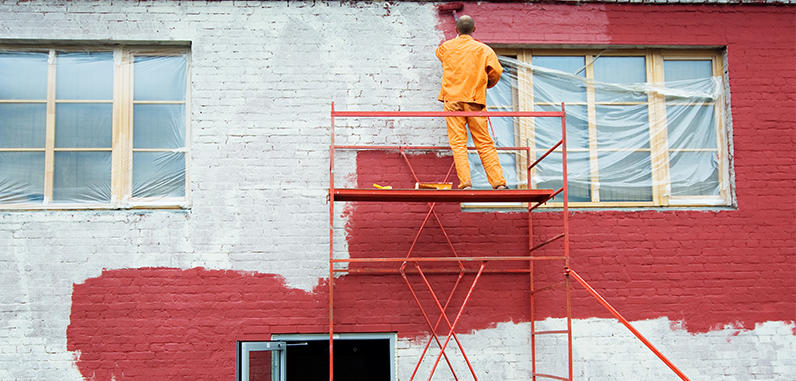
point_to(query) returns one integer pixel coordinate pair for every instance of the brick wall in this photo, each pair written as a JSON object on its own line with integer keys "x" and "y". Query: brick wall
{"x": 123, "y": 294}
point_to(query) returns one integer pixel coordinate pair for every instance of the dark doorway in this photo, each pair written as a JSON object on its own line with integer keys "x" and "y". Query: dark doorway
{"x": 354, "y": 360}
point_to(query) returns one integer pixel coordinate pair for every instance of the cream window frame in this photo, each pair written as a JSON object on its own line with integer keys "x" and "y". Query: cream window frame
{"x": 659, "y": 146}
{"x": 122, "y": 123}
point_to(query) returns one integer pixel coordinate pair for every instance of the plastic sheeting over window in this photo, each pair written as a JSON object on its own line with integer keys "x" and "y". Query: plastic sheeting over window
{"x": 92, "y": 129}
{"x": 159, "y": 127}
{"x": 630, "y": 141}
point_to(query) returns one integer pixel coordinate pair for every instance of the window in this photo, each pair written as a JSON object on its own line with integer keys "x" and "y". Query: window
{"x": 93, "y": 129}
{"x": 644, "y": 127}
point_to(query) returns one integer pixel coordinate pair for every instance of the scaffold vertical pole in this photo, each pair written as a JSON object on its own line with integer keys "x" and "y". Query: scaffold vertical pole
{"x": 530, "y": 271}
{"x": 331, "y": 251}
{"x": 565, "y": 178}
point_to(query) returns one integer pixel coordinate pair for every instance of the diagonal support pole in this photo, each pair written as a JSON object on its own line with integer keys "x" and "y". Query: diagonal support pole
{"x": 436, "y": 326}
{"x": 433, "y": 331}
{"x": 455, "y": 322}
{"x": 444, "y": 316}
{"x": 627, "y": 324}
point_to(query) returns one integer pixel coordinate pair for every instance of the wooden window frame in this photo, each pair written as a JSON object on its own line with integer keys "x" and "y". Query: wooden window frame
{"x": 122, "y": 124}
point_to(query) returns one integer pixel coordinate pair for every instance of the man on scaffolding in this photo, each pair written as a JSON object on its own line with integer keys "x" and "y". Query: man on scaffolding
{"x": 469, "y": 68}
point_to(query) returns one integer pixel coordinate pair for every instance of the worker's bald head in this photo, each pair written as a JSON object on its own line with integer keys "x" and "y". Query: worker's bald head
{"x": 465, "y": 25}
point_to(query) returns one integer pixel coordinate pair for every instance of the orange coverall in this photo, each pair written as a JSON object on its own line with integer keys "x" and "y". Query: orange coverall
{"x": 469, "y": 68}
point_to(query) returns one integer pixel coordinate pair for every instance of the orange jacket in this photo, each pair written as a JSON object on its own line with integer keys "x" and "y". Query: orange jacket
{"x": 469, "y": 68}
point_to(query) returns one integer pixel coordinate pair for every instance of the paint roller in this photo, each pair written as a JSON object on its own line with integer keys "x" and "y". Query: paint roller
{"x": 451, "y": 8}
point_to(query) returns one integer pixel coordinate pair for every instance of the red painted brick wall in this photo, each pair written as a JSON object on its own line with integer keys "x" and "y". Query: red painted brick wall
{"x": 709, "y": 268}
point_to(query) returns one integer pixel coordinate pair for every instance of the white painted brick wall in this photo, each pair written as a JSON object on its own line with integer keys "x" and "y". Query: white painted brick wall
{"x": 263, "y": 78}
{"x": 603, "y": 349}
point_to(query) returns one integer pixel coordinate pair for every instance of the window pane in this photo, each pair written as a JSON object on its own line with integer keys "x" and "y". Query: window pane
{"x": 260, "y": 364}
{"x": 83, "y": 125}
{"x": 23, "y": 76}
{"x": 555, "y": 87}
{"x": 685, "y": 70}
{"x": 691, "y": 127}
{"x": 623, "y": 127}
{"x": 691, "y": 82}
{"x": 159, "y": 126}
{"x": 23, "y": 125}
{"x": 21, "y": 177}
{"x": 625, "y": 176}
{"x": 158, "y": 174}
{"x": 160, "y": 78}
{"x": 549, "y": 175}
{"x": 694, "y": 173}
{"x": 568, "y": 64}
{"x": 82, "y": 177}
{"x": 620, "y": 71}
{"x": 548, "y": 130}
{"x": 84, "y": 76}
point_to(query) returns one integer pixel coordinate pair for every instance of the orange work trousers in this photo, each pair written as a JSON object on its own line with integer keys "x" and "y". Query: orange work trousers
{"x": 479, "y": 130}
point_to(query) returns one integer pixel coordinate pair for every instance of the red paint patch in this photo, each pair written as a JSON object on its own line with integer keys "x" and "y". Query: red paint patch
{"x": 162, "y": 323}
{"x": 155, "y": 323}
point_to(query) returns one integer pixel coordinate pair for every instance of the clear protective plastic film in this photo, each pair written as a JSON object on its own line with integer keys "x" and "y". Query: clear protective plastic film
{"x": 83, "y": 127}
{"x": 159, "y": 127}
{"x": 68, "y": 121}
{"x": 23, "y": 114}
{"x": 625, "y": 136}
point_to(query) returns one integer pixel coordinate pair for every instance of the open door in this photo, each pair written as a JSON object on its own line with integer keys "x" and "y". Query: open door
{"x": 261, "y": 361}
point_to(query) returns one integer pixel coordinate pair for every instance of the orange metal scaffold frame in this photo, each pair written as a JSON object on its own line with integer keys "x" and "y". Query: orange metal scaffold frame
{"x": 533, "y": 197}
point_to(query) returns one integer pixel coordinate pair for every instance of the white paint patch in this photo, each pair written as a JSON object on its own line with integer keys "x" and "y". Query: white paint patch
{"x": 603, "y": 350}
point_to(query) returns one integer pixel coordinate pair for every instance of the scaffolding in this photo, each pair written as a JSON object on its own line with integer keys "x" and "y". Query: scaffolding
{"x": 532, "y": 197}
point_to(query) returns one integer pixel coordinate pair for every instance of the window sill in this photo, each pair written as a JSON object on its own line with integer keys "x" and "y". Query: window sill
{"x": 164, "y": 203}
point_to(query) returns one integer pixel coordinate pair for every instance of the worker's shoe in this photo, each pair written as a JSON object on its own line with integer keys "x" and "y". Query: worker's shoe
{"x": 466, "y": 187}
{"x": 501, "y": 187}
